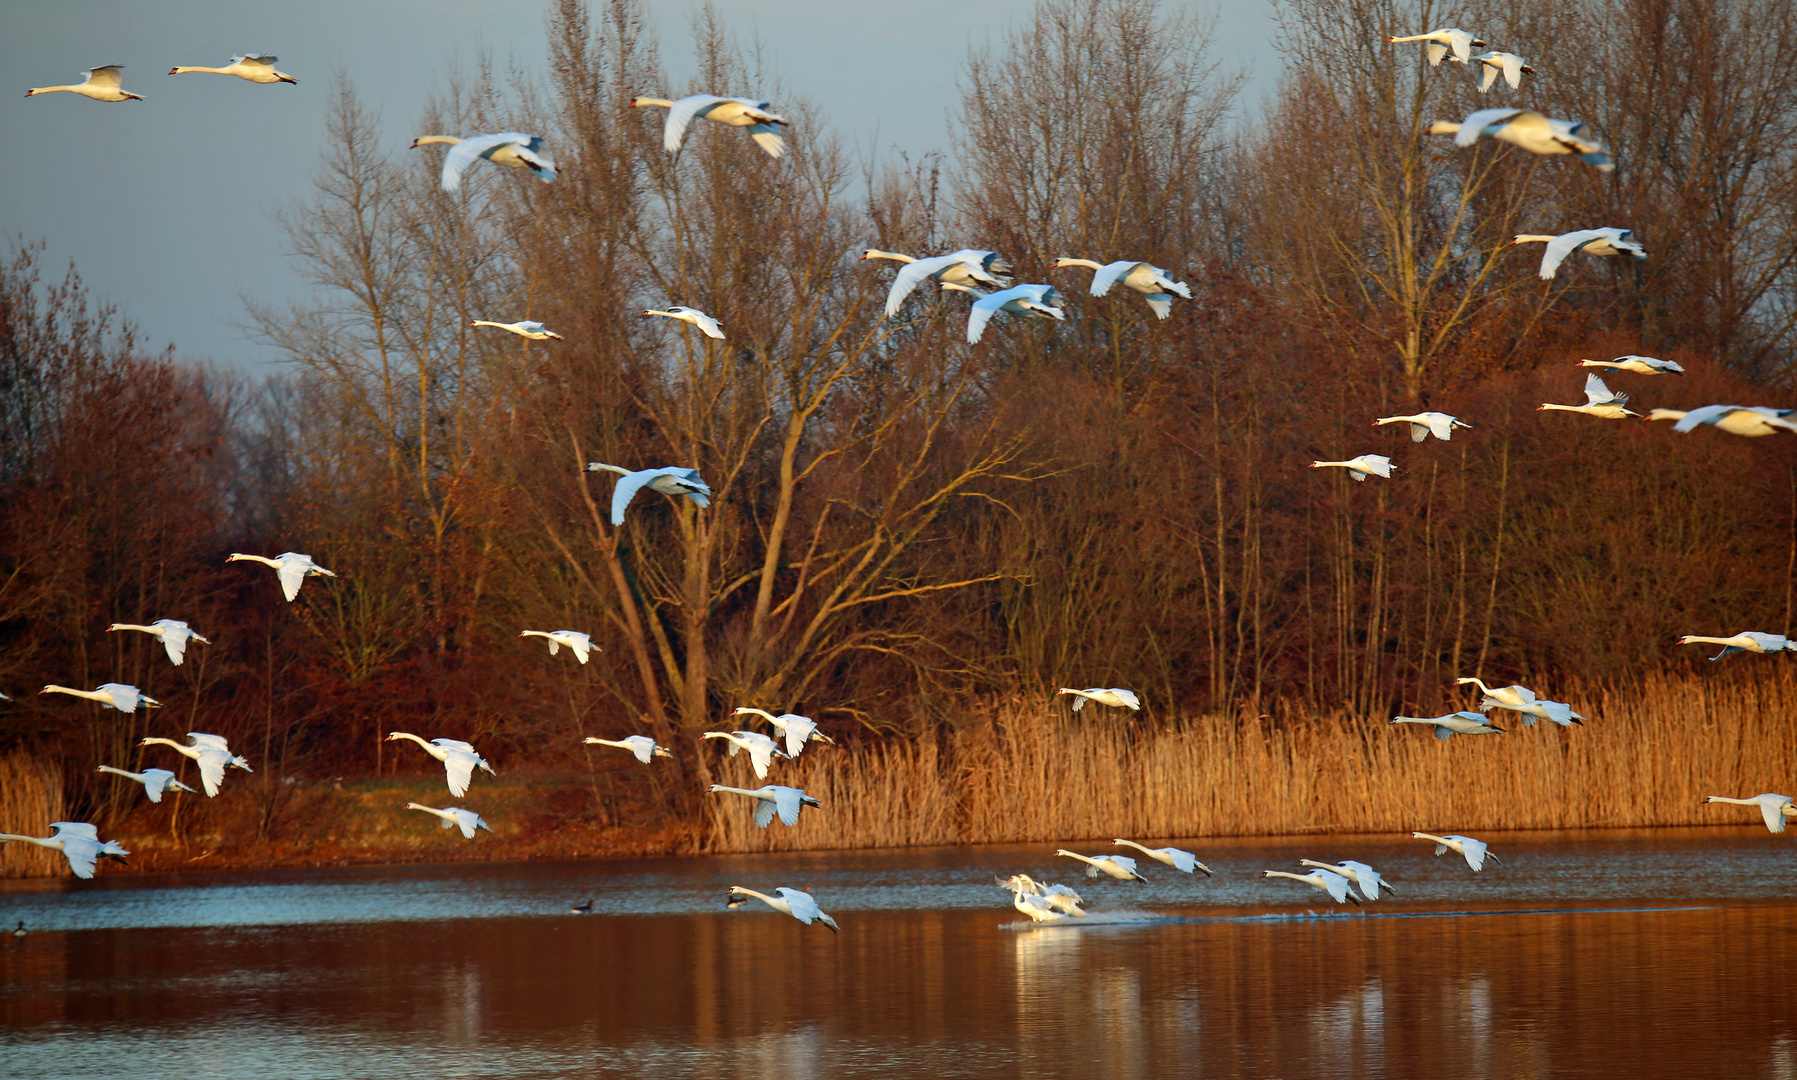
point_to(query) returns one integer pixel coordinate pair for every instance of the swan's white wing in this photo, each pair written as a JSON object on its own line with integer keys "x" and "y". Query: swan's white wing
{"x": 1769, "y": 642}
{"x": 1109, "y": 274}
{"x": 212, "y": 764}
{"x": 1124, "y": 861}
{"x": 1774, "y": 814}
{"x": 642, "y": 746}
{"x": 761, "y": 755}
{"x": 764, "y": 813}
{"x": 790, "y": 804}
{"x": 292, "y": 575}
{"x": 466, "y": 819}
{"x": 1477, "y": 122}
{"x": 1183, "y": 861}
{"x": 81, "y": 853}
{"x": 1560, "y": 247}
{"x": 106, "y": 76}
{"x": 1160, "y": 303}
{"x": 539, "y": 161}
{"x": 1488, "y": 74}
{"x": 174, "y": 642}
{"x": 681, "y": 115}
{"x": 444, "y": 820}
{"x": 74, "y": 830}
{"x": 454, "y": 744}
{"x": 1435, "y": 50}
{"x": 216, "y": 742}
{"x": 911, "y": 275}
{"x": 258, "y": 60}
{"x": 1596, "y": 393}
{"x": 804, "y": 906}
{"x": 1513, "y": 65}
{"x": 1474, "y": 851}
{"x": 767, "y": 136}
{"x": 1708, "y": 414}
{"x": 475, "y": 147}
{"x": 1336, "y": 885}
{"x": 460, "y": 767}
{"x": 1128, "y": 698}
{"x": 626, "y": 490}
{"x": 795, "y": 739}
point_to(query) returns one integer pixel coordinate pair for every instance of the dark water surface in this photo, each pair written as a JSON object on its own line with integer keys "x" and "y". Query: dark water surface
{"x": 1637, "y": 955}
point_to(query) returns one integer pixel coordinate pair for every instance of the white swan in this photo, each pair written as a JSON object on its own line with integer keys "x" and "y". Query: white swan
{"x": 78, "y": 841}
{"x": 800, "y": 905}
{"x": 155, "y": 781}
{"x": 1492, "y": 64}
{"x": 1440, "y": 41}
{"x": 1183, "y": 861}
{"x": 1751, "y": 641}
{"x": 764, "y": 126}
{"x": 796, "y": 728}
{"x": 1520, "y": 699}
{"x": 458, "y": 758}
{"x": 1600, "y": 401}
{"x": 670, "y": 480}
{"x": 292, "y": 567}
{"x": 455, "y": 816}
{"x": 786, "y": 801}
{"x": 1529, "y": 131}
{"x": 1035, "y": 906}
{"x": 1121, "y": 867}
{"x": 710, "y": 326}
{"x": 256, "y": 67}
{"x": 1457, "y": 723}
{"x": 512, "y": 149}
{"x": 1475, "y": 851}
{"x": 760, "y": 748}
{"x": 960, "y": 269}
{"x": 210, "y": 752}
{"x": 1036, "y": 301}
{"x": 1753, "y": 421}
{"x": 1364, "y": 877}
{"x": 1361, "y": 467}
{"x": 1640, "y": 365}
{"x": 102, "y": 84}
{"x": 1773, "y": 808}
{"x": 1327, "y": 880}
{"x": 174, "y": 633}
{"x": 641, "y": 745}
{"x": 1056, "y": 897}
{"x": 1424, "y": 424}
{"x": 578, "y": 643}
{"x": 1114, "y": 696}
{"x": 526, "y": 329}
{"x": 1156, "y": 285}
{"x": 1590, "y": 241}
{"x": 118, "y": 695}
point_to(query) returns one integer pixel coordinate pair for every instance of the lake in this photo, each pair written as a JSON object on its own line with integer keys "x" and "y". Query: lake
{"x": 1665, "y": 953}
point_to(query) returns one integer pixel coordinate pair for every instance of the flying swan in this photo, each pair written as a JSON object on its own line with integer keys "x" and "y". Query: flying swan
{"x": 210, "y": 752}
{"x": 764, "y": 126}
{"x": 1114, "y": 696}
{"x": 1036, "y": 301}
{"x": 526, "y": 329}
{"x": 1752, "y": 421}
{"x": 118, "y": 695}
{"x": 292, "y": 567}
{"x": 1475, "y": 851}
{"x": 1361, "y": 467}
{"x": 1183, "y": 861}
{"x": 578, "y": 643}
{"x": 1640, "y": 365}
{"x": 1458, "y": 723}
{"x": 1751, "y": 641}
{"x": 1156, "y": 285}
{"x": 78, "y": 841}
{"x": 710, "y": 326}
{"x": 174, "y": 633}
{"x": 1329, "y": 880}
{"x": 1773, "y": 808}
{"x": 513, "y": 149}
{"x": 256, "y": 67}
{"x": 1590, "y": 241}
{"x": 1600, "y": 401}
{"x": 641, "y": 745}
{"x": 1529, "y": 131}
{"x": 455, "y": 816}
{"x": 1425, "y": 424}
{"x": 1121, "y": 867}
{"x": 670, "y": 480}
{"x": 796, "y": 728}
{"x": 155, "y": 781}
{"x": 458, "y": 758}
{"x": 786, "y": 801}
{"x": 102, "y": 84}
{"x": 1490, "y": 65}
{"x": 760, "y": 748}
{"x": 1440, "y": 41}
{"x": 1364, "y": 877}
{"x": 800, "y": 905}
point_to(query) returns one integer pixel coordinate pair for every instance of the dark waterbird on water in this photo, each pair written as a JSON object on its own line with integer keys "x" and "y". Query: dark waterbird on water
{"x": 583, "y": 909}
{"x": 20, "y": 931}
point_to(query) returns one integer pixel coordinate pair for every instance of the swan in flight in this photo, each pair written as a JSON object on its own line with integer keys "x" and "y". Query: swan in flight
{"x": 786, "y": 801}
{"x": 1037, "y": 301}
{"x": 578, "y": 643}
{"x": 1425, "y": 424}
{"x": 1361, "y": 467}
{"x": 1529, "y": 131}
{"x": 1475, "y": 851}
{"x": 1751, "y": 641}
{"x": 1753, "y": 421}
{"x": 1183, "y": 861}
{"x": 1121, "y": 867}
{"x": 118, "y": 695}
{"x": 1521, "y": 699}
{"x": 1440, "y": 41}
{"x": 512, "y": 149}
{"x": 1490, "y": 65}
{"x": 1329, "y": 880}
{"x": 800, "y": 905}
{"x": 210, "y": 752}
{"x": 79, "y": 842}
{"x": 1640, "y": 365}
{"x": 1590, "y": 241}
{"x": 1156, "y": 285}
{"x": 1036, "y": 907}
{"x": 1057, "y": 898}
{"x": 760, "y": 748}
{"x": 292, "y": 567}
{"x": 1114, "y": 696}
{"x": 641, "y": 745}
{"x": 671, "y": 480}
{"x": 764, "y": 126}
{"x": 256, "y": 67}
{"x": 796, "y": 728}
{"x": 174, "y": 633}
{"x": 526, "y": 329}
{"x": 1600, "y": 401}
{"x": 467, "y": 820}
{"x": 458, "y": 758}
{"x": 957, "y": 270}
{"x": 1364, "y": 877}
{"x": 704, "y": 322}
{"x": 1773, "y": 808}
{"x": 102, "y": 85}
{"x": 155, "y": 781}
{"x": 1457, "y": 723}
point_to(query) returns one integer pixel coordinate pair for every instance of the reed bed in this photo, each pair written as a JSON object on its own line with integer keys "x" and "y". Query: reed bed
{"x": 1021, "y": 771}
{"x": 30, "y": 799}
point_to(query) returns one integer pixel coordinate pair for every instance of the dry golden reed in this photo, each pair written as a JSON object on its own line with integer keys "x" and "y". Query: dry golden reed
{"x": 30, "y": 799}
{"x": 1026, "y": 771}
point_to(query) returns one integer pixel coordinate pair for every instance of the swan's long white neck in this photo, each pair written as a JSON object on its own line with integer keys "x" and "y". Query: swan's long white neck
{"x": 157, "y": 630}
{"x": 444, "y": 814}
{"x": 1133, "y": 844}
{"x": 1078, "y": 262}
{"x": 425, "y": 140}
{"x": 663, "y": 103}
{"x": 1737, "y": 802}
{"x": 50, "y": 842}
{"x": 235, "y": 555}
{"x": 737, "y": 791}
{"x": 91, "y": 695}
{"x": 434, "y": 751}
{"x": 759, "y": 712}
{"x": 121, "y": 772}
{"x": 876, "y": 253}
{"x": 1533, "y": 238}
{"x": 1483, "y": 689}
{"x": 1437, "y": 839}
{"x": 205, "y": 70}
{"x": 190, "y": 751}
{"x": 1282, "y": 873}
{"x": 771, "y": 901}
{"x": 598, "y": 465}
{"x": 1694, "y": 639}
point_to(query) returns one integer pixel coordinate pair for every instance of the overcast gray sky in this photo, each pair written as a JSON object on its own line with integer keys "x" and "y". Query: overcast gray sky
{"x": 164, "y": 205}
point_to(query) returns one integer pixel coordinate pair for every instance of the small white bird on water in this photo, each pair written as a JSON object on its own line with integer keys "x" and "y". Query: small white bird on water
{"x": 526, "y": 329}
{"x": 1425, "y": 424}
{"x": 1752, "y": 421}
{"x": 1114, "y": 696}
{"x": 796, "y": 728}
{"x": 101, "y": 84}
{"x": 1640, "y": 365}
{"x": 1490, "y": 65}
{"x": 578, "y": 643}
{"x": 455, "y": 816}
{"x": 210, "y": 752}
{"x": 786, "y": 801}
{"x": 155, "y": 781}
{"x": 174, "y": 633}
{"x": 1121, "y": 867}
{"x": 760, "y": 748}
{"x": 797, "y": 903}
{"x": 458, "y": 758}
{"x": 764, "y": 126}
{"x": 1457, "y": 723}
{"x": 1327, "y": 880}
{"x": 1361, "y": 467}
{"x": 1156, "y": 285}
{"x": 292, "y": 568}
{"x": 671, "y": 480}
{"x": 256, "y": 67}
{"x": 1440, "y": 41}
{"x": 1752, "y": 641}
{"x": 1364, "y": 877}
{"x": 1183, "y": 861}
{"x": 1529, "y": 131}
{"x": 1773, "y": 808}
{"x": 710, "y": 326}
{"x": 641, "y": 745}
{"x": 962, "y": 269}
{"x": 512, "y": 149}
{"x": 1590, "y": 241}
{"x": 118, "y": 695}
{"x": 78, "y": 841}
{"x": 1600, "y": 401}
{"x": 1475, "y": 851}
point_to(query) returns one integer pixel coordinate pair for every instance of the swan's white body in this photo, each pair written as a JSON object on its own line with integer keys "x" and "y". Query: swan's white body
{"x": 1034, "y": 906}
{"x": 526, "y": 329}
{"x": 1529, "y": 131}
{"x": 773, "y": 799}
{"x": 1037, "y": 301}
{"x": 155, "y": 781}
{"x": 796, "y": 728}
{"x": 800, "y": 905}
{"x": 1327, "y": 880}
{"x": 710, "y": 326}
{"x": 101, "y": 84}
{"x": 966, "y": 267}
{"x": 1423, "y": 425}
{"x": 1183, "y": 861}
{"x": 1640, "y": 365}
{"x": 1600, "y": 401}
{"x": 256, "y": 67}
{"x": 1361, "y": 467}
{"x": 1156, "y": 285}
{"x": 1590, "y": 241}
{"x": 512, "y": 149}
{"x": 1752, "y": 421}
{"x": 118, "y": 695}
{"x": 1520, "y": 699}
{"x": 174, "y": 633}
{"x": 764, "y": 126}
{"x": 1752, "y": 641}
{"x": 1773, "y": 808}
{"x": 1440, "y": 41}
{"x": 292, "y": 568}
{"x": 1121, "y": 867}
{"x": 760, "y": 748}
{"x": 78, "y": 841}
{"x": 210, "y": 752}
{"x": 1114, "y": 696}
{"x": 1457, "y": 723}
{"x": 1057, "y": 898}
{"x": 578, "y": 643}
{"x": 1474, "y": 851}
{"x": 455, "y": 816}
{"x": 641, "y": 745}
{"x": 671, "y": 480}
{"x": 1364, "y": 877}
{"x": 1492, "y": 64}
{"x": 458, "y": 758}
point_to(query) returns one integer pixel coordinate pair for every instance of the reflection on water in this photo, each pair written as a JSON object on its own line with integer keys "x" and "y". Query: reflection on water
{"x": 1653, "y": 990}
